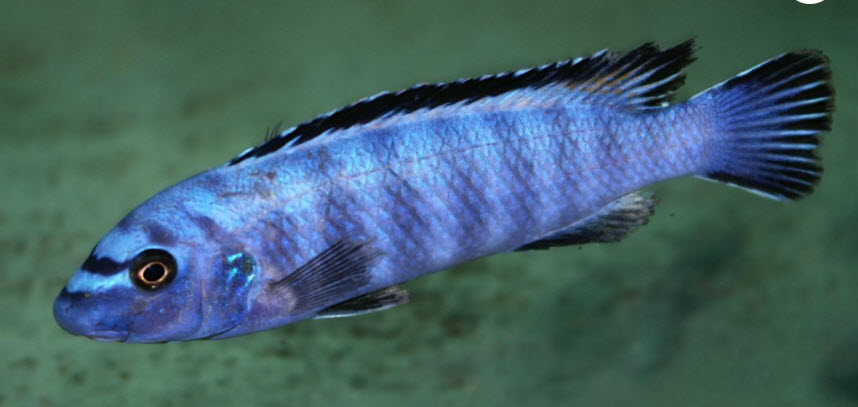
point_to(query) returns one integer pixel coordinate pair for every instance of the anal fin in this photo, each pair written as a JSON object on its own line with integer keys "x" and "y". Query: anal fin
{"x": 612, "y": 223}
{"x": 373, "y": 302}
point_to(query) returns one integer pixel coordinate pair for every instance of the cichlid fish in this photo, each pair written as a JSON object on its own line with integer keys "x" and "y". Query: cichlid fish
{"x": 326, "y": 218}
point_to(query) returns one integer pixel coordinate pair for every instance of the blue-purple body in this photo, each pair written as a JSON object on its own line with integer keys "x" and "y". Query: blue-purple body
{"x": 438, "y": 192}
{"x": 423, "y": 188}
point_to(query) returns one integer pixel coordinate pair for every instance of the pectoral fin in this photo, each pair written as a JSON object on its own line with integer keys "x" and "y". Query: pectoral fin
{"x": 334, "y": 273}
{"x": 609, "y": 224}
{"x": 375, "y": 301}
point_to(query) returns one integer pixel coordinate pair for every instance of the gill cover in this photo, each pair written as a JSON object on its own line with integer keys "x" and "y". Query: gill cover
{"x": 227, "y": 298}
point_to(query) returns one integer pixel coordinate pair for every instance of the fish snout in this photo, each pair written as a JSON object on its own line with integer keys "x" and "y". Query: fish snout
{"x": 77, "y": 316}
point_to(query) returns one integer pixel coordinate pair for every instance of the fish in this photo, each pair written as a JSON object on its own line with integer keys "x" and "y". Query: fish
{"x": 328, "y": 218}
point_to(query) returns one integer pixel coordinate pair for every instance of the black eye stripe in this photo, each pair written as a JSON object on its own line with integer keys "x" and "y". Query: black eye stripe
{"x": 103, "y": 265}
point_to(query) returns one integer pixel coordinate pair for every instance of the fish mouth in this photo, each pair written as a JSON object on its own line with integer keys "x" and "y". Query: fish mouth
{"x": 108, "y": 336}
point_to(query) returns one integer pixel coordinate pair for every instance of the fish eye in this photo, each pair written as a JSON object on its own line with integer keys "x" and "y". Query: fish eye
{"x": 153, "y": 269}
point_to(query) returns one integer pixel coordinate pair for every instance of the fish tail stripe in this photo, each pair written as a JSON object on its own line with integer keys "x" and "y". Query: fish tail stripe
{"x": 769, "y": 121}
{"x": 644, "y": 78}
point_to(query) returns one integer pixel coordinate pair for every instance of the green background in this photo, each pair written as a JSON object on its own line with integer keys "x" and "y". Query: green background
{"x": 723, "y": 299}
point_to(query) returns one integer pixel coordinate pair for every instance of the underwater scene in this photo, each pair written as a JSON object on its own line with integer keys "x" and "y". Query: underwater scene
{"x": 555, "y": 285}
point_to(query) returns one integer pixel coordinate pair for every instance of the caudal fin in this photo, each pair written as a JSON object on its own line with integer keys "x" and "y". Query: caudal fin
{"x": 769, "y": 119}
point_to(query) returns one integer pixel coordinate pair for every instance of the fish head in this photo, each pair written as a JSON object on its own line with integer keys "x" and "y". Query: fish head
{"x": 164, "y": 273}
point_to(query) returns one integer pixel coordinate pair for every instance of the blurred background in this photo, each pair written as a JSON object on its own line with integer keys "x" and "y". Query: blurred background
{"x": 723, "y": 299}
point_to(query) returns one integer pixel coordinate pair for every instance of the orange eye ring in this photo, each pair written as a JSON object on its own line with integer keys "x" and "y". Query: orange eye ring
{"x": 153, "y": 269}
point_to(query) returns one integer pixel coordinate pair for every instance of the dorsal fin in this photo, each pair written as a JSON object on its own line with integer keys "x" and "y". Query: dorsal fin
{"x": 643, "y": 78}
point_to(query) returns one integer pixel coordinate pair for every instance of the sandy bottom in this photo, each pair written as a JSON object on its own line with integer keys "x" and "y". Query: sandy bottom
{"x": 723, "y": 299}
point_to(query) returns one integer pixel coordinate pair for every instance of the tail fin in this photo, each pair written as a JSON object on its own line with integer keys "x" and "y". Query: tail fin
{"x": 769, "y": 118}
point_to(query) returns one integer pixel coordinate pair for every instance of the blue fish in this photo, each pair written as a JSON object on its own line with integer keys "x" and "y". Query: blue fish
{"x": 326, "y": 218}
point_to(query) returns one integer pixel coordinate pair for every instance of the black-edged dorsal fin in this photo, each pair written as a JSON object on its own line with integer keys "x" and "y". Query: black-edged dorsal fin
{"x": 643, "y": 78}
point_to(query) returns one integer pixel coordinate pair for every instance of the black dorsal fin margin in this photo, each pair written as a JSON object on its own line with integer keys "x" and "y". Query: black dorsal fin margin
{"x": 604, "y": 72}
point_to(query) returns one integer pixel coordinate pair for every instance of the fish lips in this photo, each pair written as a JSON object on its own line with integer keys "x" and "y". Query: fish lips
{"x": 108, "y": 336}
{"x": 74, "y": 321}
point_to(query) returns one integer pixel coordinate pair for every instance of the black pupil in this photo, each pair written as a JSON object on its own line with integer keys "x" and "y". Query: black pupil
{"x": 153, "y": 272}
{"x": 152, "y": 269}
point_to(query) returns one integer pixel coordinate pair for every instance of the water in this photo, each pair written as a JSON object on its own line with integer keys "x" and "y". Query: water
{"x": 723, "y": 299}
